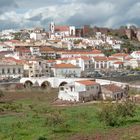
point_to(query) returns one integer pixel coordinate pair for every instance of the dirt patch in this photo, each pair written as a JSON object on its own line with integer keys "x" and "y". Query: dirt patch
{"x": 29, "y": 94}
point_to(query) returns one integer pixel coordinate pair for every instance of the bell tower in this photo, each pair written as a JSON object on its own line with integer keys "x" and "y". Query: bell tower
{"x": 52, "y": 27}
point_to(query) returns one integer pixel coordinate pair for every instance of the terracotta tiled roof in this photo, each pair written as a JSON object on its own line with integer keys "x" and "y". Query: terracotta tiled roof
{"x": 23, "y": 50}
{"x": 61, "y": 28}
{"x": 46, "y": 49}
{"x": 112, "y": 58}
{"x": 13, "y": 41}
{"x": 113, "y": 88}
{"x": 100, "y": 58}
{"x": 13, "y": 60}
{"x": 87, "y": 82}
{"x": 75, "y": 58}
{"x": 120, "y": 55}
{"x": 120, "y": 63}
{"x": 63, "y": 66}
{"x": 51, "y": 61}
{"x": 85, "y": 58}
{"x": 82, "y": 52}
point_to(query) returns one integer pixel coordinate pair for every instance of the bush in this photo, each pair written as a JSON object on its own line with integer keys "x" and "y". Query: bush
{"x": 116, "y": 114}
{"x": 53, "y": 119}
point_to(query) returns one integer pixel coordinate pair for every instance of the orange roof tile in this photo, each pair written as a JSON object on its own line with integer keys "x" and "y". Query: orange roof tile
{"x": 63, "y": 66}
{"x": 82, "y": 52}
{"x": 120, "y": 55}
{"x": 51, "y": 61}
{"x": 112, "y": 58}
{"x": 87, "y": 82}
{"x": 120, "y": 63}
{"x": 113, "y": 88}
{"x": 61, "y": 28}
{"x": 100, "y": 58}
{"x": 46, "y": 49}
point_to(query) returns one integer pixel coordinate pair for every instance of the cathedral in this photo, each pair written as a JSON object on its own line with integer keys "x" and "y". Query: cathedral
{"x": 59, "y": 32}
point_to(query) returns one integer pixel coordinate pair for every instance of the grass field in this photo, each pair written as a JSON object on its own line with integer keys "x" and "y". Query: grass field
{"x": 32, "y": 116}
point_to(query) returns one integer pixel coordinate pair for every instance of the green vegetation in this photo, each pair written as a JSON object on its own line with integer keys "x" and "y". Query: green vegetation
{"x": 36, "y": 119}
{"x": 77, "y": 41}
{"x": 117, "y": 114}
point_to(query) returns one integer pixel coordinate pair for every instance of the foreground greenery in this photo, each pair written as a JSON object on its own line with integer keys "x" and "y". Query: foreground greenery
{"x": 38, "y": 120}
{"x": 116, "y": 114}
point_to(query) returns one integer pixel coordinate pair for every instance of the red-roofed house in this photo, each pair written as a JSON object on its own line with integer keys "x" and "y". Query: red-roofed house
{"x": 83, "y": 90}
{"x": 118, "y": 65}
{"x": 84, "y": 62}
{"x": 113, "y": 92}
{"x": 100, "y": 62}
{"x": 48, "y": 52}
{"x": 120, "y": 56}
{"x": 10, "y": 67}
{"x": 66, "y": 70}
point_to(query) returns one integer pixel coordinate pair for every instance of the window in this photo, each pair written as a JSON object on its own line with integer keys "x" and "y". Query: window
{"x": 62, "y": 88}
{"x": 87, "y": 88}
{"x": 14, "y": 71}
{"x": 39, "y": 63}
{"x": 3, "y": 71}
{"x": 8, "y": 70}
{"x": 19, "y": 70}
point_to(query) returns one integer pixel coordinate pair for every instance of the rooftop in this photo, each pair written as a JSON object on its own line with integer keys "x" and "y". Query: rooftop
{"x": 87, "y": 82}
{"x": 63, "y": 66}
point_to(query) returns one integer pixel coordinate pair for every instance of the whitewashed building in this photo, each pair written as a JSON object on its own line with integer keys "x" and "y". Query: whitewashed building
{"x": 13, "y": 70}
{"x": 66, "y": 70}
{"x": 136, "y": 54}
{"x": 84, "y": 90}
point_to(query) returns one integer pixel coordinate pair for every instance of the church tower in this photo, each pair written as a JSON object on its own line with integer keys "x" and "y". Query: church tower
{"x": 52, "y": 29}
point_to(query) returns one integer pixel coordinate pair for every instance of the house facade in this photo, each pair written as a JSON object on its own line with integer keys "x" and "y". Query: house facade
{"x": 80, "y": 91}
{"x": 66, "y": 70}
{"x": 113, "y": 92}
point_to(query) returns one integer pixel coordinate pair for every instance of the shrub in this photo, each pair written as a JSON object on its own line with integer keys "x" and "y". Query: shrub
{"x": 116, "y": 114}
{"x": 53, "y": 119}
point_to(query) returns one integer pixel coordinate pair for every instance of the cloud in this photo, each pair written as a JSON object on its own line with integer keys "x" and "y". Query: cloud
{"x": 7, "y": 5}
{"x": 108, "y": 13}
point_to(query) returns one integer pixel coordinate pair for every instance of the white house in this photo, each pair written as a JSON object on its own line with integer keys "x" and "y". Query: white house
{"x": 4, "y": 47}
{"x": 118, "y": 65}
{"x": 84, "y": 90}
{"x": 36, "y": 36}
{"x": 136, "y": 54}
{"x": 66, "y": 70}
{"x": 35, "y": 50}
{"x": 84, "y": 62}
{"x": 133, "y": 63}
{"x": 11, "y": 68}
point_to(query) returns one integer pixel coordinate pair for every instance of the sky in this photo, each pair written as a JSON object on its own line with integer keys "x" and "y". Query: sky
{"x": 39, "y": 13}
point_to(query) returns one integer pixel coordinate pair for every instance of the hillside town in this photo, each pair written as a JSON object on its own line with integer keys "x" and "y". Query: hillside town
{"x": 82, "y": 54}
